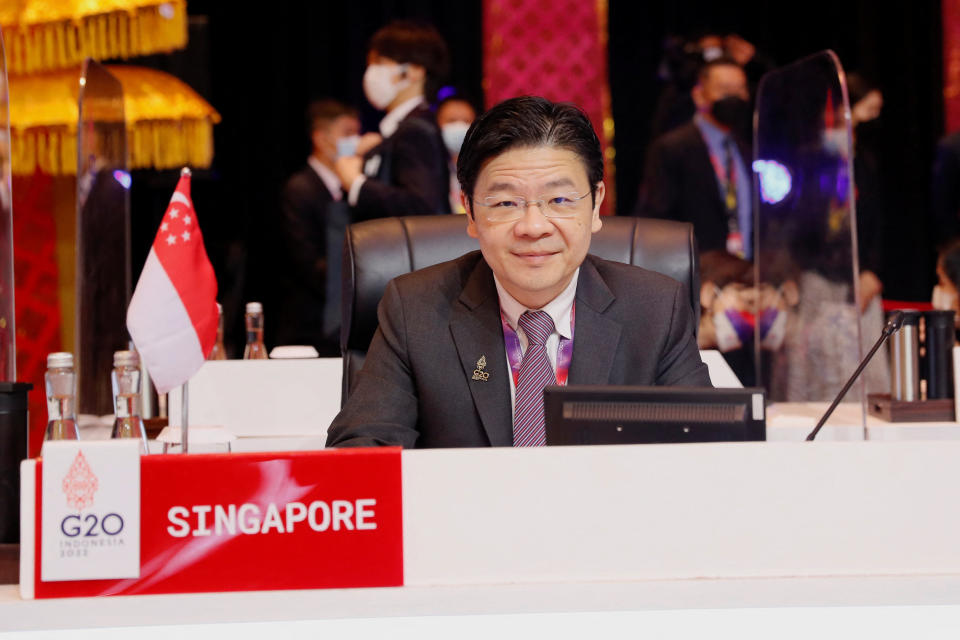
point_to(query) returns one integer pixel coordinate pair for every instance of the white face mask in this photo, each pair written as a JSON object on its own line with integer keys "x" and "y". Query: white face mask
{"x": 347, "y": 146}
{"x": 379, "y": 86}
{"x": 453, "y": 135}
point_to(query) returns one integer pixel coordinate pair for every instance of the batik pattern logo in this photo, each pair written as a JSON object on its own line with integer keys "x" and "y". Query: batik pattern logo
{"x": 80, "y": 483}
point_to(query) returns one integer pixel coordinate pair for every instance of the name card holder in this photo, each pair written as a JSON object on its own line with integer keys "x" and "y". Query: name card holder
{"x": 214, "y": 522}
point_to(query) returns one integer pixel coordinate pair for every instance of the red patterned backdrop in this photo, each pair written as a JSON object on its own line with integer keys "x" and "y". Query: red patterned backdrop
{"x": 37, "y": 284}
{"x": 556, "y": 49}
{"x": 951, "y": 64}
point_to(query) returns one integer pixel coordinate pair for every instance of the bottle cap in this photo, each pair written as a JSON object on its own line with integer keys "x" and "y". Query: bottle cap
{"x": 60, "y": 359}
{"x": 126, "y": 359}
{"x": 254, "y": 307}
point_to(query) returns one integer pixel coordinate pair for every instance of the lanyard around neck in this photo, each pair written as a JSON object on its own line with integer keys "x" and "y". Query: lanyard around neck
{"x": 515, "y": 351}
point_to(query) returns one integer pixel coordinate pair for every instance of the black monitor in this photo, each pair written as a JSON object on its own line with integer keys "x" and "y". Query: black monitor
{"x": 587, "y": 414}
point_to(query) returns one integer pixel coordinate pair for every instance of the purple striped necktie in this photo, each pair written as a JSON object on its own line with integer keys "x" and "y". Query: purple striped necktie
{"x": 535, "y": 373}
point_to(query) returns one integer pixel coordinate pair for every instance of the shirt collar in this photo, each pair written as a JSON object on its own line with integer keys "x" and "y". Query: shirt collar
{"x": 329, "y": 177}
{"x": 713, "y": 134}
{"x": 558, "y": 309}
{"x": 390, "y": 122}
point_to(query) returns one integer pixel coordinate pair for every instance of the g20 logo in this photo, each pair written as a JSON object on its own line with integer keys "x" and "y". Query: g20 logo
{"x": 91, "y": 526}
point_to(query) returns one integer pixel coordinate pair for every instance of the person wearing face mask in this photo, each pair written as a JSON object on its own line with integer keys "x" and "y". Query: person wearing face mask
{"x": 311, "y": 204}
{"x": 699, "y": 172}
{"x": 945, "y": 296}
{"x": 407, "y": 173}
{"x": 454, "y": 116}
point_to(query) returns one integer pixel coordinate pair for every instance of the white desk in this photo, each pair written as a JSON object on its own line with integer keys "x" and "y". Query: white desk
{"x": 792, "y": 421}
{"x": 875, "y": 607}
{"x": 628, "y": 532}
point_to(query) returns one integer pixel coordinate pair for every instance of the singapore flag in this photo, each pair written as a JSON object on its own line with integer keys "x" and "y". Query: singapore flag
{"x": 173, "y": 315}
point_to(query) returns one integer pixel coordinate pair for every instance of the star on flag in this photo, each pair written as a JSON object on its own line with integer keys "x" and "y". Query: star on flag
{"x": 185, "y": 235}
{"x": 171, "y": 239}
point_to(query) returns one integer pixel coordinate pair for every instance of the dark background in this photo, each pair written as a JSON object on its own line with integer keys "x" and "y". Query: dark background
{"x": 260, "y": 68}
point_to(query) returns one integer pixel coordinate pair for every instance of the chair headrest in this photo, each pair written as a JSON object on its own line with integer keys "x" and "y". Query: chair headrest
{"x": 376, "y": 251}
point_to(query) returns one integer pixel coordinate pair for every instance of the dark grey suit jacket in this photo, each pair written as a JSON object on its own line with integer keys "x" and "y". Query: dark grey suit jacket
{"x": 408, "y": 172}
{"x": 416, "y": 388}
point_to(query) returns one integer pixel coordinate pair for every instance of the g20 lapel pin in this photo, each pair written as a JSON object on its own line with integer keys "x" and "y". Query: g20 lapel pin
{"x": 479, "y": 373}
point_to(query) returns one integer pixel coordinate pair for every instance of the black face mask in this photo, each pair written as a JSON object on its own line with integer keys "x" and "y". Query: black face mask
{"x": 732, "y": 112}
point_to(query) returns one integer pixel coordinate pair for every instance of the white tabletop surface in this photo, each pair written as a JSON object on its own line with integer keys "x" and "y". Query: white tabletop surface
{"x": 490, "y": 600}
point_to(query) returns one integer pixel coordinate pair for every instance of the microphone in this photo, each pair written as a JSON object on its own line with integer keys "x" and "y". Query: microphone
{"x": 894, "y": 324}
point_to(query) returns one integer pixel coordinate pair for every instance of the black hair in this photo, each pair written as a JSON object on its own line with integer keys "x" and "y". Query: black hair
{"x": 410, "y": 42}
{"x": 320, "y": 113}
{"x": 529, "y": 121}
{"x": 950, "y": 261}
{"x": 722, "y": 61}
{"x": 457, "y": 97}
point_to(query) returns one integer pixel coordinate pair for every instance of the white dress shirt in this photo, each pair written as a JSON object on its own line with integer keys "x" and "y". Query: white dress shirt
{"x": 559, "y": 309}
{"x": 329, "y": 177}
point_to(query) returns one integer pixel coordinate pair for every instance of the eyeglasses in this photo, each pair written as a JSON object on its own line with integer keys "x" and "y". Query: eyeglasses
{"x": 510, "y": 208}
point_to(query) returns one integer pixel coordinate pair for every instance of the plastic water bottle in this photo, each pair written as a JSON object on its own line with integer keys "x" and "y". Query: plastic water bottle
{"x": 61, "y": 383}
{"x": 255, "y": 349}
{"x": 126, "y": 379}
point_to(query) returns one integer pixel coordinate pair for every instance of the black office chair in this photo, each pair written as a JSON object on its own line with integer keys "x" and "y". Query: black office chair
{"x": 376, "y": 251}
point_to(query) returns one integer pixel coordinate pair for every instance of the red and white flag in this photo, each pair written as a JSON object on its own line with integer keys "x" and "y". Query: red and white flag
{"x": 173, "y": 315}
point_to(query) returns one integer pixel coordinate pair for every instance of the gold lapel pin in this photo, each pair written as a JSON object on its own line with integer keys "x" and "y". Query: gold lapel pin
{"x": 479, "y": 373}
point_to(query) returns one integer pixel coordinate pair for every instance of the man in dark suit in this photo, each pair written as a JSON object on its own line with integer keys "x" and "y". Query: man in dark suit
{"x": 407, "y": 173}
{"x": 307, "y": 210}
{"x": 465, "y": 348}
{"x": 700, "y": 172}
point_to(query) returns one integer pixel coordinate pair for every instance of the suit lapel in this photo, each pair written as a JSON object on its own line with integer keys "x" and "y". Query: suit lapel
{"x": 595, "y": 337}
{"x": 477, "y": 333}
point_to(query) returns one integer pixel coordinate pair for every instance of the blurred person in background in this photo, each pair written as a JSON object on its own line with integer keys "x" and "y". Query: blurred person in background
{"x": 699, "y": 172}
{"x": 307, "y": 205}
{"x": 945, "y": 292}
{"x": 681, "y": 63}
{"x": 945, "y": 187}
{"x": 866, "y": 103}
{"x": 407, "y": 173}
{"x": 455, "y": 114}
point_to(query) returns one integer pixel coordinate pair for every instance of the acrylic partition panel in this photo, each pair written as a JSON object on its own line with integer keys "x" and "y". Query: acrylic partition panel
{"x": 8, "y": 353}
{"x": 812, "y": 330}
{"x": 103, "y": 236}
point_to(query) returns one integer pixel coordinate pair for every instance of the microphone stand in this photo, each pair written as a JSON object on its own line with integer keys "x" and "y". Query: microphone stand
{"x": 893, "y": 325}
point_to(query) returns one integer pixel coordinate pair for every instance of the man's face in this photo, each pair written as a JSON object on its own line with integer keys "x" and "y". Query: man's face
{"x": 534, "y": 257}
{"x": 722, "y": 81}
{"x": 325, "y": 137}
{"x": 455, "y": 111}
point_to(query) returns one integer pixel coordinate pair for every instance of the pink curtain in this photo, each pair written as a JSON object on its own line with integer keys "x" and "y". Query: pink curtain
{"x": 951, "y": 65}
{"x": 552, "y": 48}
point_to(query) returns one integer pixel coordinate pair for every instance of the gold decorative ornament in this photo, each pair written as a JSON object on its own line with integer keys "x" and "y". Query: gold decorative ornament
{"x": 168, "y": 124}
{"x": 45, "y": 35}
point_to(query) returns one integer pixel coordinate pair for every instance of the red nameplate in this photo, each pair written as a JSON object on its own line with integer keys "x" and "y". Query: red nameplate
{"x": 257, "y": 521}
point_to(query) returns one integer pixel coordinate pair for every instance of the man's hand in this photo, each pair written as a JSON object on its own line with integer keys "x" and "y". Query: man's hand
{"x": 348, "y": 169}
{"x": 870, "y": 287}
{"x": 739, "y": 49}
{"x": 368, "y": 141}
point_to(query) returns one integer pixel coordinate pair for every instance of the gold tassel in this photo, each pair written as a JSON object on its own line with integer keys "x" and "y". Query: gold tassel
{"x": 63, "y": 43}
{"x": 151, "y": 144}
